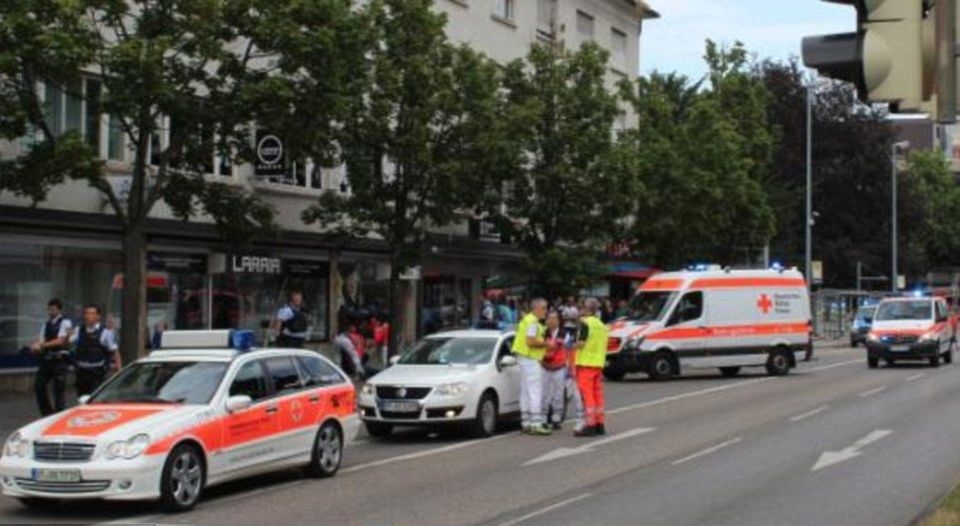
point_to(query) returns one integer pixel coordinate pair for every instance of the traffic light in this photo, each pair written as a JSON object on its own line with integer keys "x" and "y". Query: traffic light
{"x": 890, "y": 58}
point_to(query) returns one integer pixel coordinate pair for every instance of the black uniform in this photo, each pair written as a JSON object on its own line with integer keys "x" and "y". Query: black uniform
{"x": 91, "y": 360}
{"x": 296, "y": 325}
{"x": 51, "y": 369}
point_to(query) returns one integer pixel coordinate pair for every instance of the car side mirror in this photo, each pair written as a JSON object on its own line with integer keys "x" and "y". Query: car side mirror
{"x": 394, "y": 359}
{"x": 508, "y": 360}
{"x": 83, "y": 399}
{"x": 238, "y": 403}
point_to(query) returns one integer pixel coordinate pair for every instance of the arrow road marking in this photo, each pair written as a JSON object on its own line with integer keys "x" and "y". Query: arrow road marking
{"x": 829, "y": 458}
{"x": 564, "y": 452}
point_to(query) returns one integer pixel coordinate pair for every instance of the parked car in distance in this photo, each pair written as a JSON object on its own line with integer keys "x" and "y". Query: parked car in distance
{"x": 862, "y": 322}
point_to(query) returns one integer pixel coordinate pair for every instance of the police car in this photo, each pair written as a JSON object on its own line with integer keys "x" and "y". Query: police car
{"x": 463, "y": 378}
{"x": 204, "y": 409}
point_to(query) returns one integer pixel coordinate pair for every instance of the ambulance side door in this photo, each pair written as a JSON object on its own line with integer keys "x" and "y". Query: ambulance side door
{"x": 688, "y": 323}
{"x": 247, "y": 433}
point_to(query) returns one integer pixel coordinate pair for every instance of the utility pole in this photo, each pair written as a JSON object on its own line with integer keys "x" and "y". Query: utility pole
{"x": 894, "y": 243}
{"x": 809, "y": 217}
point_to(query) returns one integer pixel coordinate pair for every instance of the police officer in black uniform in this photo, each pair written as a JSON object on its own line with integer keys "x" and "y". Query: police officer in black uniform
{"x": 51, "y": 352}
{"x": 292, "y": 322}
{"x": 95, "y": 350}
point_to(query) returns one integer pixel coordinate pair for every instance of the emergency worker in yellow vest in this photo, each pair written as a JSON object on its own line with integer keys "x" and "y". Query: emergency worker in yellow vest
{"x": 529, "y": 346}
{"x": 591, "y": 357}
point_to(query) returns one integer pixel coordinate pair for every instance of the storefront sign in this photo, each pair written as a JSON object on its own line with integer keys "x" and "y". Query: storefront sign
{"x": 317, "y": 269}
{"x": 271, "y": 156}
{"x": 256, "y": 264}
{"x": 177, "y": 262}
{"x": 482, "y": 230}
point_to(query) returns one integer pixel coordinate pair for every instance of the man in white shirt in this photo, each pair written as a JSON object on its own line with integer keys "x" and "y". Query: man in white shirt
{"x": 292, "y": 323}
{"x": 95, "y": 349}
{"x": 51, "y": 352}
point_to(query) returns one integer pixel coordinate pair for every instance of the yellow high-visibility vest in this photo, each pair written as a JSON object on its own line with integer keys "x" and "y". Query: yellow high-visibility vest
{"x": 520, "y": 347}
{"x": 594, "y": 350}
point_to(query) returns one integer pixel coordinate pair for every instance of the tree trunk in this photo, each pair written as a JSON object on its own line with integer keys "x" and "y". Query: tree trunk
{"x": 396, "y": 304}
{"x": 133, "y": 314}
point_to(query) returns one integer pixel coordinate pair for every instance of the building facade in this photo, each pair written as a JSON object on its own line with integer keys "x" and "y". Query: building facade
{"x": 68, "y": 245}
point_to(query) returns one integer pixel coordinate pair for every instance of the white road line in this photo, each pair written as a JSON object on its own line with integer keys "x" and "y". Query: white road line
{"x": 548, "y": 509}
{"x": 706, "y": 452}
{"x": 808, "y": 414}
{"x": 872, "y": 392}
{"x": 425, "y": 453}
{"x": 916, "y": 377}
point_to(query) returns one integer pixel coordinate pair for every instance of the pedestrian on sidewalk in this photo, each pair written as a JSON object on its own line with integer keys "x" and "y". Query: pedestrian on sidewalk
{"x": 95, "y": 350}
{"x": 554, "y": 372}
{"x": 350, "y": 360}
{"x": 591, "y": 356}
{"x": 52, "y": 354}
{"x": 291, "y": 322}
{"x": 530, "y": 348}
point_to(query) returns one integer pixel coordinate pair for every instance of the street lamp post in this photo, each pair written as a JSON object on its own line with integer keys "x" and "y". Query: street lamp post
{"x": 809, "y": 216}
{"x": 894, "y": 243}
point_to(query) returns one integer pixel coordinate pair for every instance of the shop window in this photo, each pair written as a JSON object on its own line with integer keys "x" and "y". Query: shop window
{"x": 446, "y": 304}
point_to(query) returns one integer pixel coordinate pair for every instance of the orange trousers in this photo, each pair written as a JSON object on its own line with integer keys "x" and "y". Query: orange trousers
{"x": 590, "y": 384}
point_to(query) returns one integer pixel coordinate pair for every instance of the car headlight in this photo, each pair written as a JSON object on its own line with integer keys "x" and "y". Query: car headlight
{"x": 16, "y": 446}
{"x": 873, "y": 338}
{"x": 367, "y": 389}
{"x": 454, "y": 389}
{"x": 127, "y": 449}
{"x": 928, "y": 337}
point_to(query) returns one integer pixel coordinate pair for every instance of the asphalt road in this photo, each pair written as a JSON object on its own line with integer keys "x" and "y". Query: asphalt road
{"x": 832, "y": 443}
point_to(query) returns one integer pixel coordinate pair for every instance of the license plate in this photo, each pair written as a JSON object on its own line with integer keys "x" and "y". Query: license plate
{"x": 404, "y": 406}
{"x": 56, "y": 475}
{"x": 899, "y": 348}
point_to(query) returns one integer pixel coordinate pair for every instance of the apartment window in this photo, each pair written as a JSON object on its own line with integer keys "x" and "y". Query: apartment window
{"x": 77, "y": 108}
{"x": 53, "y": 108}
{"x": 503, "y": 9}
{"x": 115, "y": 136}
{"x": 198, "y": 153}
{"x": 585, "y": 25}
{"x": 547, "y": 18}
{"x": 618, "y": 48}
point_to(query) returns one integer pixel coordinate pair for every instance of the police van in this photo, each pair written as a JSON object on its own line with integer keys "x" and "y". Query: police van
{"x": 713, "y": 318}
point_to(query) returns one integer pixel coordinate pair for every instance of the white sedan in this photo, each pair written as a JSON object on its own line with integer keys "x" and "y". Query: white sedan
{"x": 465, "y": 377}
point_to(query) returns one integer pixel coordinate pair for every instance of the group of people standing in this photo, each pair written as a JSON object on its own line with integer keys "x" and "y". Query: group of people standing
{"x": 91, "y": 348}
{"x": 551, "y": 347}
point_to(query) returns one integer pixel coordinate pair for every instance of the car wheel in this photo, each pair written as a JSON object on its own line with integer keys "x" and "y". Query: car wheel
{"x": 327, "y": 451}
{"x": 182, "y": 479}
{"x": 662, "y": 366}
{"x": 730, "y": 372}
{"x": 614, "y": 373}
{"x": 485, "y": 423}
{"x": 935, "y": 360}
{"x": 378, "y": 430}
{"x": 873, "y": 363}
{"x": 778, "y": 363}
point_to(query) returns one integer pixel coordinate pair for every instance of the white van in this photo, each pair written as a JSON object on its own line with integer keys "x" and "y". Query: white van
{"x": 715, "y": 318}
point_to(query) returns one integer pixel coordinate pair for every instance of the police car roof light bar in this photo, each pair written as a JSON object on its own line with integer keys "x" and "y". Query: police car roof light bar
{"x": 238, "y": 339}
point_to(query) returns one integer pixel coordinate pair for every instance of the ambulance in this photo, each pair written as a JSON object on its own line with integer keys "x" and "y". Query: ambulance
{"x": 204, "y": 409}
{"x": 713, "y": 318}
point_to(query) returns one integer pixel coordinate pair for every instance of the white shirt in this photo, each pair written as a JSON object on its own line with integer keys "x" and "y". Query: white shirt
{"x": 107, "y": 338}
{"x": 65, "y": 326}
{"x": 285, "y": 314}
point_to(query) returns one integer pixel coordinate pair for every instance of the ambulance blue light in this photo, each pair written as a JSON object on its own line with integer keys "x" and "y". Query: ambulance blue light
{"x": 242, "y": 339}
{"x": 776, "y": 265}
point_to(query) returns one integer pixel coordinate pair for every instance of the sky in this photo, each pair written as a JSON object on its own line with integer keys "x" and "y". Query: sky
{"x": 768, "y": 28}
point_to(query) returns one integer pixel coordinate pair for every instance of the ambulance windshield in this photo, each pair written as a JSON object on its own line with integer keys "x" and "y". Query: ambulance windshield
{"x": 651, "y": 305}
{"x": 163, "y": 383}
{"x": 904, "y": 310}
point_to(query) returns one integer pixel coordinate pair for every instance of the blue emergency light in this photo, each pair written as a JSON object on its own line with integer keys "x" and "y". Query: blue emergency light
{"x": 242, "y": 339}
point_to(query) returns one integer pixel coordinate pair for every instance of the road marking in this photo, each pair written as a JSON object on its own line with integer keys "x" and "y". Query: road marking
{"x": 564, "y": 452}
{"x": 706, "y": 452}
{"x": 548, "y": 509}
{"x": 829, "y": 458}
{"x": 808, "y": 414}
{"x": 916, "y": 377}
{"x": 425, "y": 453}
{"x": 872, "y": 392}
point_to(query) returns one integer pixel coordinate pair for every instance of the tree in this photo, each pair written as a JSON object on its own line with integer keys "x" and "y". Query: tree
{"x": 931, "y": 237}
{"x": 572, "y": 181}
{"x": 201, "y": 71}
{"x": 418, "y": 137}
{"x": 702, "y": 153}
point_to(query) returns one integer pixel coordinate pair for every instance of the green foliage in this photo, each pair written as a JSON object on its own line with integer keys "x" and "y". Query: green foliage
{"x": 703, "y": 153}
{"x": 419, "y": 136}
{"x": 561, "y": 271}
{"x": 933, "y": 197}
